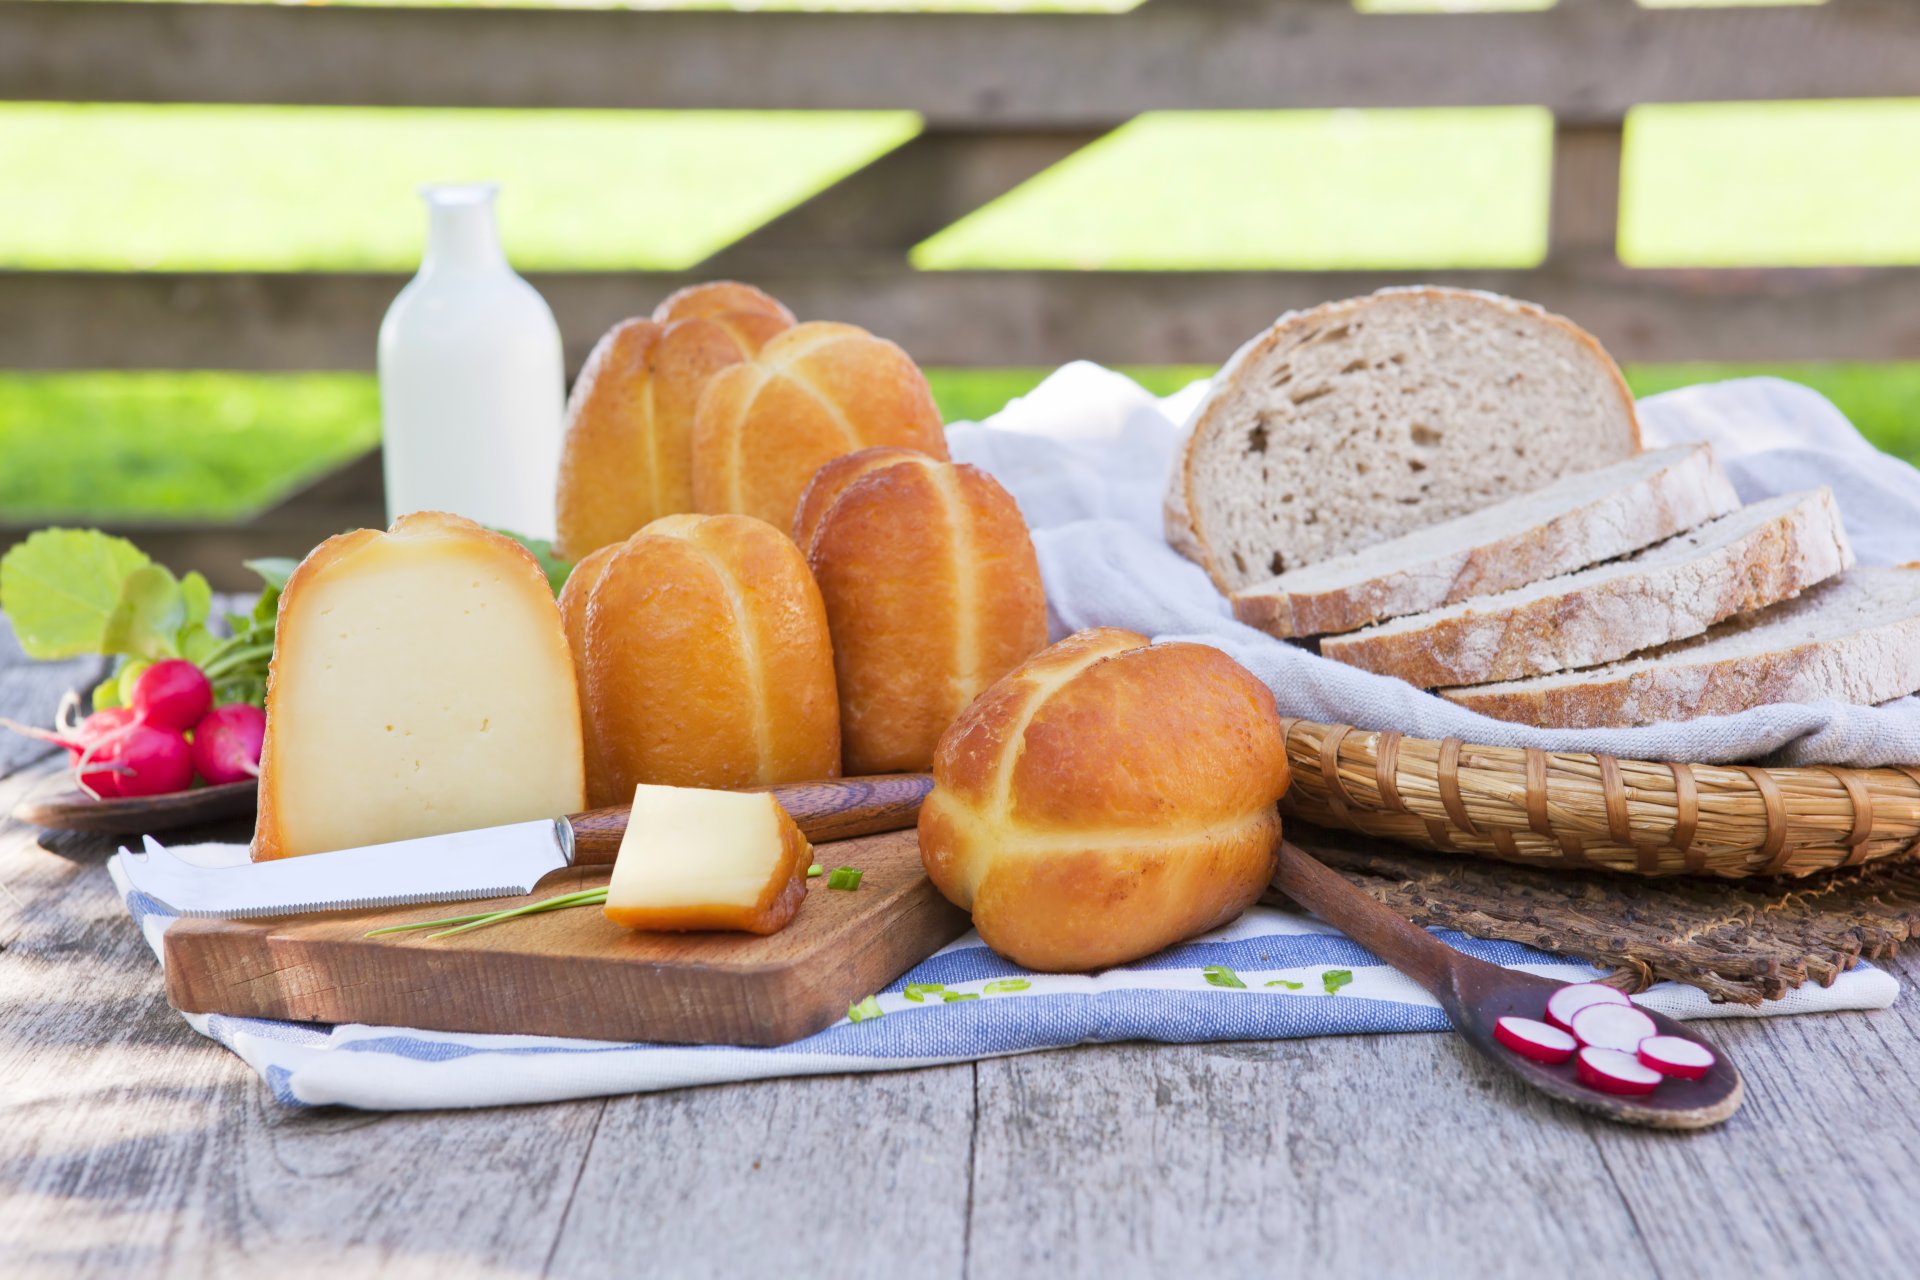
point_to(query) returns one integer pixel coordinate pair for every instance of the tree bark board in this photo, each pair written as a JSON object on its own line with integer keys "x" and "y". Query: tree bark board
{"x": 575, "y": 973}
{"x": 1585, "y": 62}
{"x": 1377, "y": 1155}
{"x": 849, "y": 1177}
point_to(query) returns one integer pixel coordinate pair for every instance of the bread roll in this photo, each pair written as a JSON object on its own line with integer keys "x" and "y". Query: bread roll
{"x": 628, "y": 454}
{"x": 573, "y": 617}
{"x": 706, "y": 662}
{"x": 1106, "y": 799}
{"x": 932, "y": 593}
{"x": 813, "y": 393}
{"x": 421, "y": 684}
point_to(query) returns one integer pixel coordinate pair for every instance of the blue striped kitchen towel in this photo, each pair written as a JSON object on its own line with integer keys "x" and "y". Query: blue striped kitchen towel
{"x": 1271, "y": 975}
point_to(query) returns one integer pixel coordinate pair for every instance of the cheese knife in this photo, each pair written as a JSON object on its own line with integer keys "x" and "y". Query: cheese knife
{"x": 494, "y": 862}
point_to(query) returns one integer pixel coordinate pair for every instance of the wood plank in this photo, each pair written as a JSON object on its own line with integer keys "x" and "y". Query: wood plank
{"x": 1584, "y": 61}
{"x": 575, "y": 973}
{"x": 848, "y": 1176}
{"x": 133, "y": 1144}
{"x": 246, "y": 321}
{"x": 904, "y": 196}
{"x": 1804, "y": 1181}
{"x": 30, "y": 692}
{"x": 1585, "y": 201}
{"x": 1375, "y": 1155}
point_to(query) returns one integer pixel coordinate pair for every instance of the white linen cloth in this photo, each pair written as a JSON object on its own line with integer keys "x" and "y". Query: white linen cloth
{"x": 1085, "y": 455}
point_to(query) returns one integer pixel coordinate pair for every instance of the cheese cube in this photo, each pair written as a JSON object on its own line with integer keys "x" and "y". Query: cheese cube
{"x": 421, "y": 684}
{"x": 699, "y": 859}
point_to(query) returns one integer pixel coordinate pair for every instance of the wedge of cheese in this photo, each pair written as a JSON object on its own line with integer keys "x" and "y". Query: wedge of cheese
{"x": 699, "y": 859}
{"x": 421, "y": 684}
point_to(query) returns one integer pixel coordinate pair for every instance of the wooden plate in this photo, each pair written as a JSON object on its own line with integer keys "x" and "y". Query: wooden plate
{"x": 75, "y": 810}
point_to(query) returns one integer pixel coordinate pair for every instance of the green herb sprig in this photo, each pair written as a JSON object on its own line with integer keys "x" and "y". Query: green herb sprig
{"x": 460, "y": 924}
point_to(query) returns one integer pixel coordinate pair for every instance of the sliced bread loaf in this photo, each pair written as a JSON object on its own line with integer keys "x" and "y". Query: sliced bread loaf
{"x": 1578, "y": 520}
{"x": 1362, "y": 420}
{"x": 1855, "y": 637}
{"x": 1755, "y": 557}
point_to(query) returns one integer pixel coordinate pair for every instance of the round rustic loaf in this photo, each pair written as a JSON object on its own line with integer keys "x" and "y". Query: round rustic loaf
{"x": 1106, "y": 799}
{"x": 705, "y": 660}
{"x": 628, "y": 453}
{"x": 812, "y": 394}
{"x": 932, "y": 593}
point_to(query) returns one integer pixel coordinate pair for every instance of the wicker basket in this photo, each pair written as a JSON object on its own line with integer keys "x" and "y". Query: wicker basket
{"x": 1564, "y": 809}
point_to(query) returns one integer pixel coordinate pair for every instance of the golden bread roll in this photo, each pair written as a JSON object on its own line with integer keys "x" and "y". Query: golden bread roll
{"x": 628, "y": 453}
{"x": 421, "y": 684}
{"x": 813, "y": 393}
{"x": 932, "y": 593}
{"x": 1107, "y": 799}
{"x": 707, "y": 662}
{"x": 573, "y": 616}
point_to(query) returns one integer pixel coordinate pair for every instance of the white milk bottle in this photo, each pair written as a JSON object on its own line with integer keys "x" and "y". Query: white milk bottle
{"x": 471, "y": 379}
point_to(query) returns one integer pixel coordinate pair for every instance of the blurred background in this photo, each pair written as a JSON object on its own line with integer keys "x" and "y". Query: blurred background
{"x": 204, "y": 209}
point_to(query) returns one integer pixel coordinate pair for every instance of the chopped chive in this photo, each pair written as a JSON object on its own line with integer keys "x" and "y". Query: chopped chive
{"x": 1282, "y": 982}
{"x": 865, "y": 1010}
{"x": 844, "y": 878}
{"x": 814, "y": 870}
{"x": 999, "y": 985}
{"x": 1334, "y": 979}
{"x": 952, "y": 997}
{"x": 919, "y": 991}
{"x": 1218, "y": 975}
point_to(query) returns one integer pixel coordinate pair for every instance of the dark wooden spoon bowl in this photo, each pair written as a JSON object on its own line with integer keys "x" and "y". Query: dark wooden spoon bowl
{"x": 75, "y": 810}
{"x": 1475, "y": 994}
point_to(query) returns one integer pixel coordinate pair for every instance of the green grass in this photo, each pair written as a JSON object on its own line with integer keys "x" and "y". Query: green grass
{"x": 216, "y": 446}
{"x": 139, "y": 188}
{"x": 1277, "y": 189}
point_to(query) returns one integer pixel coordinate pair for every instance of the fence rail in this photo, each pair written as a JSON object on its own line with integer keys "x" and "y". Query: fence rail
{"x": 1003, "y": 97}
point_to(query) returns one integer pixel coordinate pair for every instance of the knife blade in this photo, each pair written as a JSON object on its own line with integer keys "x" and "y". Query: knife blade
{"x": 493, "y": 862}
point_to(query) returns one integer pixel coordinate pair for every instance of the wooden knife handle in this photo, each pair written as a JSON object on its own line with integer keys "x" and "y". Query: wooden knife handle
{"x": 831, "y": 809}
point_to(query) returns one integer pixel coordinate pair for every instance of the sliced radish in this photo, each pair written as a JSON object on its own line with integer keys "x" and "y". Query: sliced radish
{"x": 1613, "y": 1026}
{"x": 1677, "y": 1056}
{"x": 1612, "y": 1071}
{"x": 1567, "y": 1001}
{"x": 1534, "y": 1040}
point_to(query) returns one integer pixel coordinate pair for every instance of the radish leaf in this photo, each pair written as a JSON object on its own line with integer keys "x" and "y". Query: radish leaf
{"x": 147, "y": 619}
{"x": 59, "y": 587}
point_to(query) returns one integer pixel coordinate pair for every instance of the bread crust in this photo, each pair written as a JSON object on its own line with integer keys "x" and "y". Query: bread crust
{"x": 708, "y": 662}
{"x": 627, "y": 455}
{"x": 932, "y": 592}
{"x": 1866, "y": 667}
{"x": 1687, "y": 494}
{"x": 1107, "y": 799}
{"x": 814, "y": 393}
{"x": 270, "y": 837}
{"x": 1180, "y": 509}
{"x": 1601, "y": 621}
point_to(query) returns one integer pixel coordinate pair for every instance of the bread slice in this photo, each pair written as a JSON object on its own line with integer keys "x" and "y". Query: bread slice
{"x": 1362, "y": 420}
{"x": 1578, "y": 520}
{"x": 1855, "y": 638}
{"x": 1755, "y": 557}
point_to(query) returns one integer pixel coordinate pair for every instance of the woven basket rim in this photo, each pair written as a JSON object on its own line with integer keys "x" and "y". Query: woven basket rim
{"x": 1590, "y": 810}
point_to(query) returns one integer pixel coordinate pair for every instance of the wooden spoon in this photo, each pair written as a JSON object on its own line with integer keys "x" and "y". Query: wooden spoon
{"x": 1475, "y": 994}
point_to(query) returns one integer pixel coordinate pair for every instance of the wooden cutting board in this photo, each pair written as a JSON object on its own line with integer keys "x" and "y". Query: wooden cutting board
{"x": 572, "y": 972}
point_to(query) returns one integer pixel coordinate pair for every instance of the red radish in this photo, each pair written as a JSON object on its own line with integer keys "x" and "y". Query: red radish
{"x": 1567, "y": 1001}
{"x": 1612, "y": 1071}
{"x": 1677, "y": 1056}
{"x": 1534, "y": 1040}
{"x": 86, "y": 741}
{"x": 1612, "y": 1026}
{"x": 173, "y": 694}
{"x": 140, "y": 759}
{"x": 226, "y": 743}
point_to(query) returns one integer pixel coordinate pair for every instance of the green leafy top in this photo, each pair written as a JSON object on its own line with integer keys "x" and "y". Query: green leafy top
{"x": 61, "y": 587}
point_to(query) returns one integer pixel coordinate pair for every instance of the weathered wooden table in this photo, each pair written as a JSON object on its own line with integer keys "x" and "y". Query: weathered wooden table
{"x": 129, "y": 1145}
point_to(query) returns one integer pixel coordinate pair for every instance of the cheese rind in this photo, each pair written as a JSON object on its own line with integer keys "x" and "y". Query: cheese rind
{"x": 421, "y": 684}
{"x": 699, "y": 859}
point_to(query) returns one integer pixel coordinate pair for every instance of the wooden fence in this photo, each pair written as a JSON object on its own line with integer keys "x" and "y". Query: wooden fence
{"x": 1003, "y": 97}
